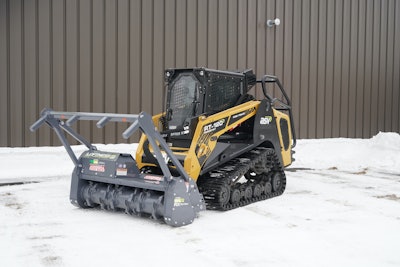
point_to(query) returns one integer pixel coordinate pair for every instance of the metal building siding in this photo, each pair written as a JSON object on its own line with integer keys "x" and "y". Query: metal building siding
{"x": 4, "y": 72}
{"x": 339, "y": 60}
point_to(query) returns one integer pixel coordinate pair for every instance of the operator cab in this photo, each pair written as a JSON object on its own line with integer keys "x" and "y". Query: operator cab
{"x": 200, "y": 92}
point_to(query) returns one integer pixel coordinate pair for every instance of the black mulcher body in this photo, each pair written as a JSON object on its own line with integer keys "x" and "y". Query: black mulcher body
{"x": 214, "y": 146}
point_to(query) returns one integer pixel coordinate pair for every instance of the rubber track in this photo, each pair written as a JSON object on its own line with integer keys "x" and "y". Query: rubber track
{"x": 263, "y": 160}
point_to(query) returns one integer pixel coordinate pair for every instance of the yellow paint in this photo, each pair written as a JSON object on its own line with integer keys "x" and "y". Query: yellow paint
{"x": 203, "y": 141}
{"x": 286, "y": 154}
{"x": 203, "y": 144}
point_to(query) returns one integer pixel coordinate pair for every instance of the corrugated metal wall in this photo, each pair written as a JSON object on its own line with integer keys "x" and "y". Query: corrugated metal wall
{"x": 339, "y": 60}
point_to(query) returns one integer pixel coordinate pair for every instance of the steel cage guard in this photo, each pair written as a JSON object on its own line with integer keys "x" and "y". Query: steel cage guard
{"x": 142, "y": 122}
{"x": 284, "y": 106}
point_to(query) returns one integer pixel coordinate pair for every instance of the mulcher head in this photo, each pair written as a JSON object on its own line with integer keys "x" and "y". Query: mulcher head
{"x": 112, "y": 181}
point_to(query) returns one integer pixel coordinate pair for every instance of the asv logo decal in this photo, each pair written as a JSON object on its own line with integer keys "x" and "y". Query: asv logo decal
{"x": 211, "y": 127}
{"x": 266, "y": 120}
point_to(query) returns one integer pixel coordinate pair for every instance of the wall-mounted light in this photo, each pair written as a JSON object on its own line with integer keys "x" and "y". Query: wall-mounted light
{"x": 273, "y": 22}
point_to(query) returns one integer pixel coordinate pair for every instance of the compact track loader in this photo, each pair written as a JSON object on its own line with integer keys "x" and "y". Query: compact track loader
{"x": 213, "y": 147}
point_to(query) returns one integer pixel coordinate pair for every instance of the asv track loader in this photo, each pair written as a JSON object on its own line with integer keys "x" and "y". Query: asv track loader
{"x": 215, "y": 146}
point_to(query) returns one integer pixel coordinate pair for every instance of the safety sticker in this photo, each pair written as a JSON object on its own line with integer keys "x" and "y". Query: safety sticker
{"x": 97, "y": 168}
{"x": 153, "y": 179}
{"x": 122, "y": 172}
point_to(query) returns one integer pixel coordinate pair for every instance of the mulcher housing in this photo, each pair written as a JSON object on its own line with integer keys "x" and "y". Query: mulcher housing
{"x": 113, "y": 181}
{"x": 215, "y": 145}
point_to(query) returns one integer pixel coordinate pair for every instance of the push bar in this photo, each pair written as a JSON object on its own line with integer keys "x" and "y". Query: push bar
{"x": 59, "y": 121}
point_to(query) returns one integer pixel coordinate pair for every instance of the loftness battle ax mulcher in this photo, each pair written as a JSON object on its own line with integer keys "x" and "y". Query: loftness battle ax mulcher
{"x": 215, "y": 146}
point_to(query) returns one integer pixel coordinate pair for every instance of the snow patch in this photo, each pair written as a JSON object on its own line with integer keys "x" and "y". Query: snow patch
{"x": 380, "y": 153}
{"x": 340, "y": 208}
{"x": 389, "y": 141}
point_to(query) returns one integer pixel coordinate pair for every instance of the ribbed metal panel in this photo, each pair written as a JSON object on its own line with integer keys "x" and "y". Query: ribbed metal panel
{"x": 339, "y": 60}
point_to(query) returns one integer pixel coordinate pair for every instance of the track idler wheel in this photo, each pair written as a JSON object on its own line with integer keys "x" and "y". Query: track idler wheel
{"x": 257, "y": 190}
{"x": 248, "y": 192}
{"x": 267, "y": 188}
{"x": 224, "y": 195}
{"x": 235, "y": 196}
{"x": 276, "y": 182}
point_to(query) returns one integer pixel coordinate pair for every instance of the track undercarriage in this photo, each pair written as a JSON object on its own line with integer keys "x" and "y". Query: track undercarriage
{"x": 252, "y": 177}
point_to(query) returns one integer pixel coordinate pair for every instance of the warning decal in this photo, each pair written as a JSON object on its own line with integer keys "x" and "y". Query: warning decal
{"x": 97, "y": 168}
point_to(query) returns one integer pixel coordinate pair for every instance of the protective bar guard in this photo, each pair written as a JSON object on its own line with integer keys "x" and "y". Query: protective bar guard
{"x": 62, "y": 121}
{"x": 284, "y": 106}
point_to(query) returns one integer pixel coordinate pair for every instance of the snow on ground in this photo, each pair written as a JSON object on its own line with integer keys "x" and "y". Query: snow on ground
{"x": 341, "y": 208}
